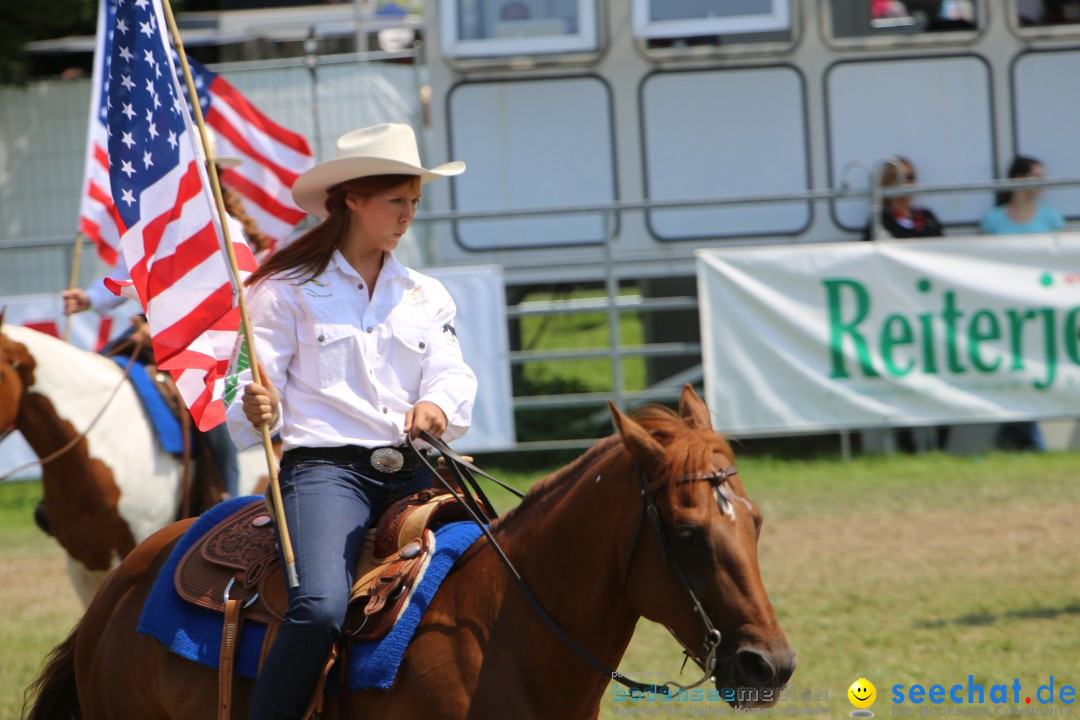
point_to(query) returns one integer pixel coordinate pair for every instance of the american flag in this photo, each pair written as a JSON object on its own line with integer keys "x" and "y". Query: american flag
{"x": 272, "y": 156}
{"x": 165, "y": 215}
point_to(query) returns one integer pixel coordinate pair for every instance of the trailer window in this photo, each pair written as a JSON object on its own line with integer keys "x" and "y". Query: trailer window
{"x": 1047, "y": 13}
{"x": 663, "y": 23}
{"x": 499, "y": 28}
{"x": 869, "y": 18}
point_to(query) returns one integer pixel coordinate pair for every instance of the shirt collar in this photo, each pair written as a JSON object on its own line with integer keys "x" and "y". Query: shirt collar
{"x": 338, "y": 262}
{"x": 392, "y": 268}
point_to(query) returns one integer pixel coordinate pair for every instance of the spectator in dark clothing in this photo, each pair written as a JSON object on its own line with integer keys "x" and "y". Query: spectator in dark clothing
{"x": 900, "y": 217}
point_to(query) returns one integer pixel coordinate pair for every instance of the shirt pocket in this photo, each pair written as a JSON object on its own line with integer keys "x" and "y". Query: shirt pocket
{"x": 328, "y": 355}
{"x": 409, "y": 348}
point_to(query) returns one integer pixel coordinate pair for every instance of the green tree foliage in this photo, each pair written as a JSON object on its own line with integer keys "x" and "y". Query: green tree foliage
{"x": 23, "y": 22}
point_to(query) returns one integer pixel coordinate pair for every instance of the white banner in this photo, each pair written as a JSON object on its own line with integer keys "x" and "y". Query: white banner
{"x": 480, "y": 296}
{"x": 891, "y": 334}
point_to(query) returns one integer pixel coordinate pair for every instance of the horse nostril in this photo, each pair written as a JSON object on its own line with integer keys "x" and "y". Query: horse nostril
{"x": 786, "y": 668}
{"x": 755, "y": 668}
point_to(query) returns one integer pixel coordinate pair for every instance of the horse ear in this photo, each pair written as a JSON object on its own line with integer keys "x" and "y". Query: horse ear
{"x": 2, "y": 311}
{"x": 637, "y": 439}
{"x": 693, "y": 409}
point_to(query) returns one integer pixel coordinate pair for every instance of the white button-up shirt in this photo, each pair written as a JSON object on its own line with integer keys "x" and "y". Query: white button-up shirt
{"x": 347, "y": 368}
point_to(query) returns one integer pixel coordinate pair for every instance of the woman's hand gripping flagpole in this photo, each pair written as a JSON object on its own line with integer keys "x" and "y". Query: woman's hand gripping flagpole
{"x": 73, "y": 281}
{"x": 271, "y": 460}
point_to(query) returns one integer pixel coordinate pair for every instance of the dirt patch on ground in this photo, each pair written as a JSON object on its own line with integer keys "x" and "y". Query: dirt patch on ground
{"x": 918, "y": 533}
{"x": 36, "y": 582}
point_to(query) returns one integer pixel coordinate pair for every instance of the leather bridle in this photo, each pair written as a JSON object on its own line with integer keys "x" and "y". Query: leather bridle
{"x": 706, "y": 657}
{"x": 462, "y": 470}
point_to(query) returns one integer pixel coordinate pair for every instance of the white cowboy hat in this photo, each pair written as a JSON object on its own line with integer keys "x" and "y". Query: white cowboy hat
{"x": 388, "y": 149}
{"x": 219, "y": 160}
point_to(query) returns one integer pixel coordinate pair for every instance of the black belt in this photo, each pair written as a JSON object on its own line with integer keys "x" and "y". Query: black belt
{"x": 386, "y": 459}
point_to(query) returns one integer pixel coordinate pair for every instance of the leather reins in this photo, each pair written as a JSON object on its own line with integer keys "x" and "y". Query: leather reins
{"x": 463, "y": 472}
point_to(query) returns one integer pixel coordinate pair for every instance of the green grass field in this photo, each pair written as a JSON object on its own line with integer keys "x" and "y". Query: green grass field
{"x": 903, "y": 570}
{"x": 581, "y": 332}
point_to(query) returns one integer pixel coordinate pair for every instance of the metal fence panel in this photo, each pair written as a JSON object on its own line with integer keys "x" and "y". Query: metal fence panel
{"x": 42, "y": 143}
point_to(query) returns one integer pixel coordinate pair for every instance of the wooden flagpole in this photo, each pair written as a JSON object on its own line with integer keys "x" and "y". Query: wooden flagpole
{"x": 73, "y": 280}
{"x": 271, "y": 461}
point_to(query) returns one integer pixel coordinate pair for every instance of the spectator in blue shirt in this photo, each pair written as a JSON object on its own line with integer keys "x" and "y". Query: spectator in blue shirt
{"x": 1018, "y": 212}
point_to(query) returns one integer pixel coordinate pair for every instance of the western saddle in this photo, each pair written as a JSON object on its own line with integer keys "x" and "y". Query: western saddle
{"x": 234, "y": 569}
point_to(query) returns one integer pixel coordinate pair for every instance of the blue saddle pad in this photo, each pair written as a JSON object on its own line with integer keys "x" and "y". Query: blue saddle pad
{"x": 162, "y": 418}
{"x": 194, "y": 632}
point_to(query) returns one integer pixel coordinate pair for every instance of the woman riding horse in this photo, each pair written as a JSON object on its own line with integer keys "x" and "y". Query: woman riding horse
{"x": 360, "y": 353}
{"x": 583, "y": 546}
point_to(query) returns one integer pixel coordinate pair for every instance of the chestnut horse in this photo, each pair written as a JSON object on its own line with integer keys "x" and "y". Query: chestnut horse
{"x": 480, "y": 651}
{"x": 116, "y": 486}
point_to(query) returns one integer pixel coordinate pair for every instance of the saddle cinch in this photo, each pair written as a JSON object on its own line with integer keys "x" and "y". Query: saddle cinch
{"x": 234, "y": 570}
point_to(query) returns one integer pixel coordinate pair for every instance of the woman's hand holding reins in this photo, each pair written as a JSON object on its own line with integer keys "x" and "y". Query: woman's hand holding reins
{"x": 425, "y": 415}
{"x": 261, "y": 401}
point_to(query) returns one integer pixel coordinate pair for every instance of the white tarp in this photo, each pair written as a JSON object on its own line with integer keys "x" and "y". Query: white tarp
{"x": 890, "y": 334}
{"x": 480, "y": 296}
{"x": 478, "y": 292}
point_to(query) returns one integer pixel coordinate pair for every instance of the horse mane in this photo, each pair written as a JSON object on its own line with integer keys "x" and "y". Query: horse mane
{"x": 546, "y": 487}
{"x": 688, "y": 450}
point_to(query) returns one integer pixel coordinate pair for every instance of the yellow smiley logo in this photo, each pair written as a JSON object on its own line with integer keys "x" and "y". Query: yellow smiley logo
{"x": 862, "y": 693}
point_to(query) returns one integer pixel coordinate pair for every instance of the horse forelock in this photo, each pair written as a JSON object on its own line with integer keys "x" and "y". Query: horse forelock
{"x": 687, "y": 450}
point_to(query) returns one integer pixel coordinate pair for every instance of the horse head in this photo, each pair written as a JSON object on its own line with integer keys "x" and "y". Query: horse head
{"x": 16, "y": 374}
{"x": 692, "y": 564}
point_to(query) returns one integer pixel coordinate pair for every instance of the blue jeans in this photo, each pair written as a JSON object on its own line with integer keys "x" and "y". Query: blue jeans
{"x": 329, "y": 506}
{"x": 223, "y": 453}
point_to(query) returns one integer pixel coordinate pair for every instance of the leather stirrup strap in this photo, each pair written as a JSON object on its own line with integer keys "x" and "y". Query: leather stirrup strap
{"x": 230, "y": 635}
{"x": 268, "y": 641}
{"x": 317, "y": 699}
{"x": 344, "y": 694}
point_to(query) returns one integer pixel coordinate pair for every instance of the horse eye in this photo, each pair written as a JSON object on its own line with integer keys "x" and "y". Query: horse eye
{"x": 689, "y": 534}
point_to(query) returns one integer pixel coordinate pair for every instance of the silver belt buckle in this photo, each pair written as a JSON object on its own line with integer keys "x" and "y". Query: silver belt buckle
{"x": 387, "y": 460}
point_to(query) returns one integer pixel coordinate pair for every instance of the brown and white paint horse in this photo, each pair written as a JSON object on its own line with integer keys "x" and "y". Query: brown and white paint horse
{"x": 114, "y": 487}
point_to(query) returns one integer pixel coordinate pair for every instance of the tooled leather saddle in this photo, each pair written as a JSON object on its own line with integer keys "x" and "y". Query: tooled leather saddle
{"x": 234, "y": 569}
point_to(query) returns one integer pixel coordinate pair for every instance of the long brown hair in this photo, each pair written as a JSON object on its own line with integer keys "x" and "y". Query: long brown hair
{"x": 307, "y": 256}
